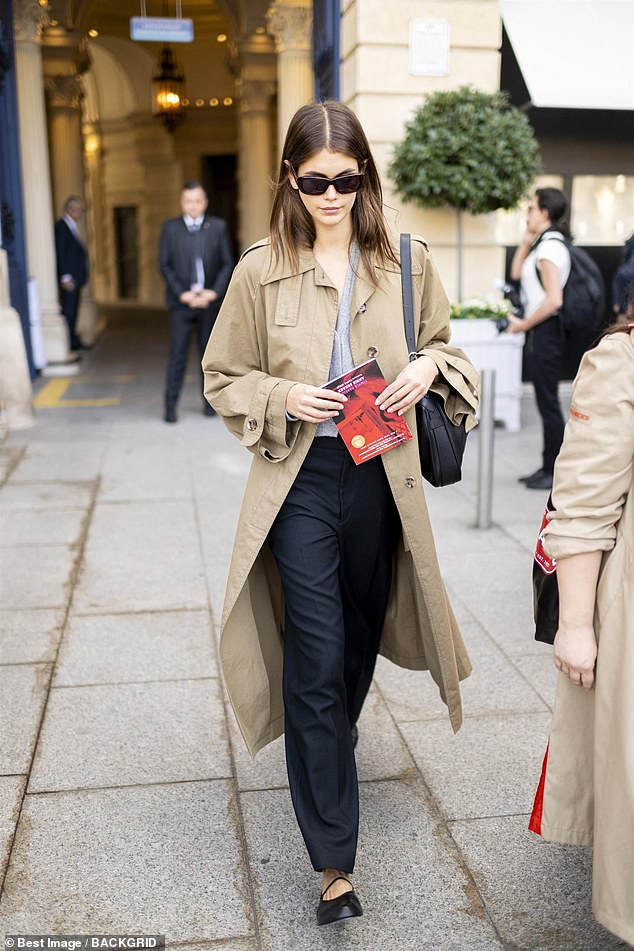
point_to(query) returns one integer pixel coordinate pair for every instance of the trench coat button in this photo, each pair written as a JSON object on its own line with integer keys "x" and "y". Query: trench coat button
{"x": 252, "y": 423}
{"x": 372, "y": 351}
{"x": 362, "y": 309}
{"x": 410, "y": 482}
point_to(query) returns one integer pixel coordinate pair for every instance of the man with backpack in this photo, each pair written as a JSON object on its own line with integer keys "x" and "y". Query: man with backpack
{"x": 562, "y": 295}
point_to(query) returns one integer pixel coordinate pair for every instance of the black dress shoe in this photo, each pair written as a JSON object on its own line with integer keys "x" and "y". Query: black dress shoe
{"x": 533, "y": 475}
{"x": 170, "y": 414}
{"x": 544, "y": 481}
{"x": 340, "y": 908}
{"x": 355, "y": 736}
{"x": 208, "y": 410}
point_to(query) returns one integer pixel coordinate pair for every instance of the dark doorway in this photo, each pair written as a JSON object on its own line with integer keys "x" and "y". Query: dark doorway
{"x": 126, "y": 251}
{"x": 219, "y": 177}
{"x": 326, "y": 29}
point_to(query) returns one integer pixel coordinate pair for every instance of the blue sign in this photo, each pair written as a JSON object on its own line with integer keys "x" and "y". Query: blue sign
{"x": 161, "y": 29}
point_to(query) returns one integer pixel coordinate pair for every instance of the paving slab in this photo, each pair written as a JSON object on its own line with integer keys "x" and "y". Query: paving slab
{"x": 507, "y": 616}
{"x": 41, "y": 527}
{"x": 61, "y": 460}
{"x": 9, "y": 454}
{"x": 152, "y": 470}
{"x": 22, "y": 697}
{"x": 45, "y": 495}
{"x": 495, "y": 685}
{"x": 537, "y": 893}
{"x": 41, "y": 580}
{"x": 490, "y": 767}
{"x": 218, "y": 462}
{"x": 232, "y": 944}
{"x": 157, "y": 860}
{"x": 541, "y": 672}
{"x": 29, "y": 636}
{"x": 124, "y": 648}
{"x": 415, "y": 894}
{"x": 11, "y": 791}
{"x": 119, "y": 735}
{"x": 141, "y": 556}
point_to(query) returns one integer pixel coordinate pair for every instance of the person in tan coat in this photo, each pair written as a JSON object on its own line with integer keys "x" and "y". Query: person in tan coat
{"x": 332, "y": 562}
{"x": 586, "y": 792}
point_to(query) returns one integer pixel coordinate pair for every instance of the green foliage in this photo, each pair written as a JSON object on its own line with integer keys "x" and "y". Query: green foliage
{"x": 480, "y": 308}
{"x": 467, "y": 149}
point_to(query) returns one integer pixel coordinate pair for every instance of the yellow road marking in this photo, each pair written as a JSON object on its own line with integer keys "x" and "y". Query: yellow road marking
{"x": 50, "y": 396}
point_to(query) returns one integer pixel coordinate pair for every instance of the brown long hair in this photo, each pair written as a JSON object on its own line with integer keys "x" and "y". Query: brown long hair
{"x": 333, "y": 126}
{"x": 617, "y": 328}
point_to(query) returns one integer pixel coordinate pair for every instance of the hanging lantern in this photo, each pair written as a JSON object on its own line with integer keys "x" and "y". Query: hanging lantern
{"x": 168, "y": 90}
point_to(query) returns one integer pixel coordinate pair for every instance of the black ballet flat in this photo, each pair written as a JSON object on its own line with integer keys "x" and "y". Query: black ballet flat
{"x": 340, "y": 908}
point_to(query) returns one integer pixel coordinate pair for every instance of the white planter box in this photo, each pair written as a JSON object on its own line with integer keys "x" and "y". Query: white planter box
{"x": 489, "y": 350}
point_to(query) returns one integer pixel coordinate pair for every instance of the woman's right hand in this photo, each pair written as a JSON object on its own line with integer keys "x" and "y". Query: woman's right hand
{"x": 576, "y": 653}
{"x": 313, "y": 404}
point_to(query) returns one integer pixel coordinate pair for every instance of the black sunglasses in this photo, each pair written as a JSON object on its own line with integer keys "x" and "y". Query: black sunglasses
{"x": 344, "y": 184}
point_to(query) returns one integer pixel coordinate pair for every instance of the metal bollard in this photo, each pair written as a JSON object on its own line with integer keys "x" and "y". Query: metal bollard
{"x": 485, "y": 457}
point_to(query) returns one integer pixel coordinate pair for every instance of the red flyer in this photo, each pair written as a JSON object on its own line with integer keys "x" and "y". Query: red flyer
{"x": 366, "y": 430}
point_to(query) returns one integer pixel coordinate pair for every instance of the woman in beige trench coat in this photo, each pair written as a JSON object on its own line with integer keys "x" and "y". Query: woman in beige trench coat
{"x": 586, "y": 793}
{"x": 323, "y": 293}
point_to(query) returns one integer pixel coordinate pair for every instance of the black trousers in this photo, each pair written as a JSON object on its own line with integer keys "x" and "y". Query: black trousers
{"x": 544, "y": 363}
{"x": 69, "y": 303}
{"x": 184, "y": 321}
{"x": 333, "y": 541}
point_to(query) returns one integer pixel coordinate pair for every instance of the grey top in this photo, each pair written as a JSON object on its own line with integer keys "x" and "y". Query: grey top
{"x": 341, "y": 360}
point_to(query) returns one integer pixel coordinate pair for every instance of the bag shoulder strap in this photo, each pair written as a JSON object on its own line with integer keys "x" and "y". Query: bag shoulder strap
{"x": 408, "y": 295}
{"x": 550, "y": 236}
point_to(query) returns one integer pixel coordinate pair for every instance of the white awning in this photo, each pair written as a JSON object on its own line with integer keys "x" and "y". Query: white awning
{"x": 574, "y": 54}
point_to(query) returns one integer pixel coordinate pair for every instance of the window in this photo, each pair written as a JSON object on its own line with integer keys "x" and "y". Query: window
{"x": 602, "y": 209}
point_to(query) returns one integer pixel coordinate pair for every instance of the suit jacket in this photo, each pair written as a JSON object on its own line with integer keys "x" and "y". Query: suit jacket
{"x": 177, "y": 252}
{"x": 71, "y": 254}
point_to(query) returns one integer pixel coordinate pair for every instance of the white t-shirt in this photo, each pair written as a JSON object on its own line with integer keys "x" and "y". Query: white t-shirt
{"x": 553, "y": 249}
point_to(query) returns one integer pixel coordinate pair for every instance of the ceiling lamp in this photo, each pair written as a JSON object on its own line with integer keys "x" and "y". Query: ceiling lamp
{"x": 168, "y": 90}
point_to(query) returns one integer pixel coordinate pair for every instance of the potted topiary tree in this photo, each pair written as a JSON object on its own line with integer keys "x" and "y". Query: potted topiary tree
{"x": 468, "y": 150}
{"x": 472, "y": 151}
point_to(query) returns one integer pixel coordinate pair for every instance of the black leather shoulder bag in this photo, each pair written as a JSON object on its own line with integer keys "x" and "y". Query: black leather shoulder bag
{"x": 441, "y": 445}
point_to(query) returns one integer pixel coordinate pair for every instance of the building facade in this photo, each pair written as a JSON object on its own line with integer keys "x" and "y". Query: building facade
{"x": 78, "y": 91}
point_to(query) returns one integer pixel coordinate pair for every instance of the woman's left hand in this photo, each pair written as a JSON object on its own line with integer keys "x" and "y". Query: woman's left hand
{"x": 409, "y": 386}
{"x": 575, "y": 653}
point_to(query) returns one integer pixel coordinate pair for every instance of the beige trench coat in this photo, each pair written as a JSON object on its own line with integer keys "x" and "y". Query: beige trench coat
{"x": 275, "y": 328}
{"x": 588, "y": 778}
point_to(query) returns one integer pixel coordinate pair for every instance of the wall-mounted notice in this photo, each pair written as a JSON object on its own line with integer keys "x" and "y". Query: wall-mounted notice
{"x": 162, "y": 29}
{"x": 429, "y": 47}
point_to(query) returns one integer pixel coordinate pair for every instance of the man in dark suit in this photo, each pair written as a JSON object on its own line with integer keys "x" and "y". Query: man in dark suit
{"x": 72, "y": 265}
{"x": 196, "y": 261}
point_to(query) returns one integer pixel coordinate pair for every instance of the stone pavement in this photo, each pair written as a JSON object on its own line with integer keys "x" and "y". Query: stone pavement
{"x": 127, "y": 801}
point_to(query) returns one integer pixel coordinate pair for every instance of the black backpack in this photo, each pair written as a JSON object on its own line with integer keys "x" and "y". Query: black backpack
{"x": 583, "y": 308}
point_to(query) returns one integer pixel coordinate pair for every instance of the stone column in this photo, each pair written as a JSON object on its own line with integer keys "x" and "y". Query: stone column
{"x": 63, "y": 102}
{"x": 290, "y": 23}
{"x": 36, "y": 176}
{"x": 15, "y": 383}
{"x": 64, "y": 61}
{"x": 255, "y": 172}
{"x": 101, "y": 276}
{"x": 255, "y": 87}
